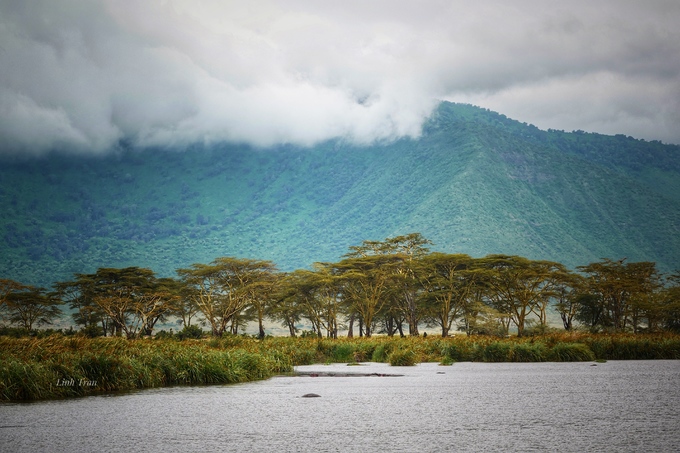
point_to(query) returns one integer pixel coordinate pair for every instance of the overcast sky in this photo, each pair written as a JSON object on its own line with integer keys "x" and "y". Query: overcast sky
{"x": 83, "y": 75}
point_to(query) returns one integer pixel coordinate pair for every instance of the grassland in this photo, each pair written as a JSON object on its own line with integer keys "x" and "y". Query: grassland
{"x": 59, "y": 366}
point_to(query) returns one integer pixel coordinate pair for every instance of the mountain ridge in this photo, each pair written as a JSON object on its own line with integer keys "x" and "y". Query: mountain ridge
{"x": 474, "y": 182}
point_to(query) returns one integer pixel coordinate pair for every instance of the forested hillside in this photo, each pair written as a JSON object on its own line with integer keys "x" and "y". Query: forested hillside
{"x": 475, "y": 182}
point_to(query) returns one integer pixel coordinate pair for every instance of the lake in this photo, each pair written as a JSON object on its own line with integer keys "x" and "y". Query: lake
{"x": 613, "y": 406}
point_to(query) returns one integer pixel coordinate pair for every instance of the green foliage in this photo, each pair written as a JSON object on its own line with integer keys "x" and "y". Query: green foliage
{"x": 465, "y": 349}
{"x": 571, "y": 198}
{"x": 342, "y": 352}
{"x": 529, "y": 352}
{"x": 402, "y": 357}
{"x": 14, "y": 332}
{"x": 192, "y": 332}
{"x": 381, "y": 353}
{"x": 498, "y": 351}
{"x": 570, "y": 352}
{"x": 71, "y": 366}
{"x": 62, "y": 366}
{"x": 92, "y": 331}
{"x": 628, "y": 347}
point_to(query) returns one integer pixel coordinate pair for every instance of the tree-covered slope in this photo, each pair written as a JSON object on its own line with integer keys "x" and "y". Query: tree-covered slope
{"x": 474, "y": 182}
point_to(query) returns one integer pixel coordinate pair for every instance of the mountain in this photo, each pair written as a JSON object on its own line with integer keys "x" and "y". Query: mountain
{"x": 475, "y": 182}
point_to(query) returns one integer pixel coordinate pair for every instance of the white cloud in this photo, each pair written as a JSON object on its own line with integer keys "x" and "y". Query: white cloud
{"x": 83, "y": 75}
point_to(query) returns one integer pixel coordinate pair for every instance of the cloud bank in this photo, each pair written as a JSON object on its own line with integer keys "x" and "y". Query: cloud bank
{"x": 86, "y": 76}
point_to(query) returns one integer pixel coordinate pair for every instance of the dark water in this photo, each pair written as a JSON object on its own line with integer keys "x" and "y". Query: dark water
{"x": 613, "y": 406}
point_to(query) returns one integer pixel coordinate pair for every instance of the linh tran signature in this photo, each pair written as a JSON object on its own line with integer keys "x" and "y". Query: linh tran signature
{"x": 72, "y": 383}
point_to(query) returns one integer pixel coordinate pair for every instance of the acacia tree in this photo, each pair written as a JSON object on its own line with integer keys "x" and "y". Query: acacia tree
{"x": 448, "y": 282}
{"x": 185, "y": 310}
{"x": 30, "y": 306}
{"x": 130, "y": 300}
{"x": 366, "y": 282}
{"x": 7, "y": 287}
{"x": 556, "y": 278}
{"x": 567, "y": 296}
{"x": 223, "y": 289}
{"x": 155, "y": 302}
{"x": 645, "y": 296}
{"x": 260, "y": 292}
{"x": 670, "y": 304}
{"x": 520, "y": 286}
{"x": 318, "y": 296}
{"x": 285, "y": 306}
{"x": 392, "y": 317}
{"x": 79, "y": 295}
{"x": 620, "y": 290}
{"x": 403, "y": 252}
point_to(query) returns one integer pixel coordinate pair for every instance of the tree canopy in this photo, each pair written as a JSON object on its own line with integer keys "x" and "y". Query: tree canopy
{"x": 381, "y": 286}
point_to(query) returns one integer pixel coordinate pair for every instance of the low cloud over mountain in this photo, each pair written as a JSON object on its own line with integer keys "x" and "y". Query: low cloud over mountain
{"x": 88, "y": 76}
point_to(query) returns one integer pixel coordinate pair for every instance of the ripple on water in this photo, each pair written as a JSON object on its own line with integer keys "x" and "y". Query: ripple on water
{"x": 615, "y": 406}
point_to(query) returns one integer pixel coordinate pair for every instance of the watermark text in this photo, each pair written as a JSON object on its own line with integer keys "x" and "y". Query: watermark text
{"x": 73, "y": 383}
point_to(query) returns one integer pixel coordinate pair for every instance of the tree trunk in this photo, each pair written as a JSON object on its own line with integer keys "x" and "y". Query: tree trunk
{"x": 389, "y": 326}
{"x": 350, "y": 331}
{"x": 566, "y": 321}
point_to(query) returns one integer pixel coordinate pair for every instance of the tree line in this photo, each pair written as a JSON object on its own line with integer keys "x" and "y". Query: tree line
{"x": 394, "y": 287}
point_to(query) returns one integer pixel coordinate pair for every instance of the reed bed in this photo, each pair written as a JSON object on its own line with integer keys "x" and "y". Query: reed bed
{"x": 65, "y": 366}
{"x": 72, "y": 366}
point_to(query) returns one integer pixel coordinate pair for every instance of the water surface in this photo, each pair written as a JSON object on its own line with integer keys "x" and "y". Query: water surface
{"x": 613, "y": 406}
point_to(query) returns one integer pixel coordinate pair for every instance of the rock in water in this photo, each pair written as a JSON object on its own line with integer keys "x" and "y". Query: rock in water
{"x": 311, "y": 395}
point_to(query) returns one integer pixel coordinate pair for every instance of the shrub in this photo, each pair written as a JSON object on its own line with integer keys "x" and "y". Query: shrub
{"x": 164, "y": 335}
{"x": 252, "y": 366}
{"x": 92, "y": 331}
{"x": 571, "y": 352}
{"x": 498, "y": 351}
{"x": 446, "y": 361}
{"x": 453, "y": 352}
{"x": 380, "y": 353}
{"x": 192, "y": 331}
{"x": 110, "y": 373}
{"x": 529, "y": 352}
{"x": 342, "y": 352}
{"x": 22, "y": 381}
{"x": 402, "y": 357}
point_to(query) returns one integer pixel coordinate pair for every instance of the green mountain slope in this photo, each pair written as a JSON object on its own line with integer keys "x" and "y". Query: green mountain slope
{"x": 474, "y": 182}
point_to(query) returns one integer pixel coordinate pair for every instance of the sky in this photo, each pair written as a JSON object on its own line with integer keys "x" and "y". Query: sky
{"x": 84, "y": 76}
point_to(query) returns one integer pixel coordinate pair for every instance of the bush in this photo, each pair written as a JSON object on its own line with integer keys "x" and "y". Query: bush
{"x": 193, "y": 332}
{"x": 164, "y": 335}
{"x": 252, "y": 366}
{"x": 402, "y": 357}
{"x": 634, "y": 347}
{"x": 92, "y": 331}
{"x": 498, "y": 351}
{"x": 342, "y": 352}
{"x": 529, "y": 352}
{"x": 14, "y": 332}
{"x": 447, "y": 361}
{"x": 380, "y": 353}
{"x": 571, "y": 352}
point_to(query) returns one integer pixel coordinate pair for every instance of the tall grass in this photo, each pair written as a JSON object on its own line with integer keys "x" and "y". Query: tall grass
{"x": 61, "y": 366}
